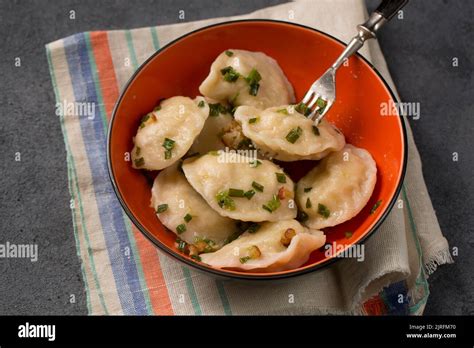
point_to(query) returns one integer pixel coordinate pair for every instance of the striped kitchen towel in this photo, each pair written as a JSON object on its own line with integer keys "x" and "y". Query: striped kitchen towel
{"x": 124, "y": 274}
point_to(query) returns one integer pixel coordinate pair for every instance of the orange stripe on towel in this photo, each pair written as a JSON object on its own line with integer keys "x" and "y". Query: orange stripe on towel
{"x": 154, "y": 278}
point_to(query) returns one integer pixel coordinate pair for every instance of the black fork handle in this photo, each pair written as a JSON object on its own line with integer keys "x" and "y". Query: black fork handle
{"x": 389, "y": 8}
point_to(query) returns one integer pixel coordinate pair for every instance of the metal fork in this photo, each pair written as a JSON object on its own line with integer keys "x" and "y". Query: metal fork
{"x": 322, "y": 93}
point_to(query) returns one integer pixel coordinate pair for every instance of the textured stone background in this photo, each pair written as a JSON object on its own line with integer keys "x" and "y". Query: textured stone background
{"x": 34, "y": 195}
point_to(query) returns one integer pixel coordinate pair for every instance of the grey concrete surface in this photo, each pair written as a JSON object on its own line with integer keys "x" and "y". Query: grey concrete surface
{"x": 34, "y": 194}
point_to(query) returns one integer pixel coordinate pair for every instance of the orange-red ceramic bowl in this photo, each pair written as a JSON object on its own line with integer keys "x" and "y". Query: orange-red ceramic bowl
{"x": 304, "y": 54}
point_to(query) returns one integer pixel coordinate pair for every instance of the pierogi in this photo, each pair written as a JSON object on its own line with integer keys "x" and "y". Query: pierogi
{"x": 272, "y": 247}
{"x": 338, "y": 187}
{"x": 167, "y": 133}
{"x": 287, "y": 135}
{"x": 183, "y": 211}
{"x": 247, "y": 78}
{"x": 241, "y": 187}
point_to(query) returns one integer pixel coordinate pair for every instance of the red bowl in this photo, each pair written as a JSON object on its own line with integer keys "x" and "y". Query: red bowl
{"x": 304, "y": 54}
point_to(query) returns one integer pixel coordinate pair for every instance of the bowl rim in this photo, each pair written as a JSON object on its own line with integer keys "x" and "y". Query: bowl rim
{"x": 242, "y": 275}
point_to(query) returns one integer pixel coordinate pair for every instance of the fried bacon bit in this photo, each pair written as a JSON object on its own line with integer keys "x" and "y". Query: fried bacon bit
{"x": 287, "y": 237}
{"x": 200, "y": 246}
{"x": 193, "y": 251}
{"x": 254, "y": 252}
{"x": 281, "y": 193}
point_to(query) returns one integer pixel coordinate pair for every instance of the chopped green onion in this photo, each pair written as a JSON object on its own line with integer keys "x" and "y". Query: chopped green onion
{"x": 303, "y": 109}
{"x": 294, "y": 135}
{"x": 143, "y": 120}
{"x": 157, "y": 108}
{"x": 181, "y": 228}
{"x": 213, "y": 153}
{"x": 139, "y": 162}
{"x": 307, "y": 189}
{"x": 281, "y": 178}
{"x": 229, "y": 53}
{"x": 348, "y": 234}
{"x": 255, "y": 163}
{"x": 254, "y": 227}
{"x": 224, "y": 201}
{"x": 244, "y": 259}
{"x": 236, "y": 192}
{"x": 161, "y": 208}
{"x": 188, "y": 217}
{"x": 216, "y": 109}
{"x": 181, "y": 244}
{"x": 249, "y": 194}
{"x": 168, "y": 144}
{"x": 230, "y": 74}
{"x": 196, "y": 257}
{"x": 253, "y": 80}
{"x": 137, "y": 151}
{"x": 272, "y": 204}
{"x": 376, "y": 205}
{"x": 201, "y": 104}
{"x": 322, "y": 105}
{"x": 316, "y": 131}
{"x": 168, "y": 154}
{"x": 257, "y": 186}
{"x": 283, "y": 111}
{"x": 308, "y": 203}
{"x": 323, "y": 210}
{"x": 253, "y": 120}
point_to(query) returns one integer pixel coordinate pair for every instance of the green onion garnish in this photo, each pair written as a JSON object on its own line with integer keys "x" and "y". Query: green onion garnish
{"x": 181, "y": 228}
{"x": 137, "y": 151}
{"x": 168, "y": 144}
{"x": 201, "y": 104}
{"x": 188, "y": 217}
{"x": 253, "y": 120}
{"x": 157, "y": 108}
{"x": 322, "y": 105}
{"x": 294, "y": 135}
{"x": 139, "y": 162}
{"x": 323, "y": 210}
{"x": 236, "y": 192}
{"x": 272, "y": 204}
{"x": 224, "y": 201}
{"x": 229, "y": 53}
{"x": 168, "y": 154}
{"x": 308, "y": 203}
{"x": 303, "y": 109}
{"x": 316, "y": 131}
{"x": 255, "y": 163}
{"x": 376, "y": 205}
{"x": 253, "y": 80}
{"x": 244, "y": 259}
{"x": 348, "y": 234}
{"x": 257, "y": 186}
{"x": 249, "y": 194}
{"x": 161, "y": 208}
{"x": 307, "y": 189}
{"x": 143, "y": 120}
{"x": 230, "y": 74}
{"x": 283, "y": 111}
{"x": 181, "y": 244}
{"x": 281, "y": 178}
{"x": 196, "y": 257}
{"x": 216, "y": 109}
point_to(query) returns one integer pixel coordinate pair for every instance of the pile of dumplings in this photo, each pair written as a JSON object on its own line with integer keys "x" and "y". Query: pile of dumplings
{"x": 218, "y": 189}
